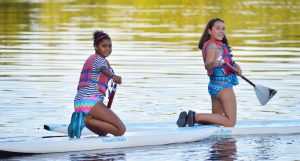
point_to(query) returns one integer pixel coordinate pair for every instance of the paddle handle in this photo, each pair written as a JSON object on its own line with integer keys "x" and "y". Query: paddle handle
{"x": 112, "y": 95}
{"x": 235, "y": 71}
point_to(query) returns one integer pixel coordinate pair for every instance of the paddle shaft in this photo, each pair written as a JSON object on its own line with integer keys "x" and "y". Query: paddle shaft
{"x": 263, "y": 94}
{"x": 235, "y": 71}
{"x": 111, "y": 96}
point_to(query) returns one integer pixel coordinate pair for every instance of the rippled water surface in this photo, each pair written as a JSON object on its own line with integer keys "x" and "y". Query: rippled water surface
{"x": 44, "y": 44}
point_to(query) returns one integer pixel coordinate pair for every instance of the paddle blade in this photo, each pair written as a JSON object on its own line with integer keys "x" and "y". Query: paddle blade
{"x": 264, "y": 94}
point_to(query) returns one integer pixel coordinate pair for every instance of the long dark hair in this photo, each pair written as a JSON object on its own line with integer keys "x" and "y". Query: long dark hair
{"x": 98, "y": 36}
{"x": 205, "y": 36}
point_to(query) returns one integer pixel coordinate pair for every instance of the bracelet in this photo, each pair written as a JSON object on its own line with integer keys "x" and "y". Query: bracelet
{"x": 112, "y": 77}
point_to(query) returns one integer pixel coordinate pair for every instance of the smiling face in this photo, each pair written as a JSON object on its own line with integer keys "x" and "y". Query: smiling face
{"x": 217, "y": 32}
{"x": 104, "y": 48}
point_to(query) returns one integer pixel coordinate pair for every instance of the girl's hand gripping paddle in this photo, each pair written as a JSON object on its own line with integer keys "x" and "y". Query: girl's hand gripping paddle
{"x": 112, "y": 95}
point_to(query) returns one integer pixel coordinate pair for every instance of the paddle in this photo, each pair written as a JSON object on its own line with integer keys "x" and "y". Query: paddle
{"x": 263, "y": 94}
{"x": 112, "y": 95}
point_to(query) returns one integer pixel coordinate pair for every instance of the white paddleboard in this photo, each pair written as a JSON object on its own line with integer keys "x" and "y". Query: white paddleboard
{"x": 133, "y": 138}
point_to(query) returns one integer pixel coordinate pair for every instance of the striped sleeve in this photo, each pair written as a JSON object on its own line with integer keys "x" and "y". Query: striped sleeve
{"x": 99, "y": 62}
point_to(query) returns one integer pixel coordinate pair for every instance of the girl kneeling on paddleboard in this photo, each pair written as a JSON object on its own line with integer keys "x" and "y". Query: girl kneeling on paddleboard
{"x": 215, "y": 50}
{"x": 90, "y": 110}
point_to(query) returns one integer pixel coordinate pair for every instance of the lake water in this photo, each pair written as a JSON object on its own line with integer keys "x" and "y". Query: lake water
{"x": 44, "y": 44}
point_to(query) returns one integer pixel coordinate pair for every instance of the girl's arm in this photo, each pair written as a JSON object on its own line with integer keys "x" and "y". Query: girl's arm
{"x": 212, "y": 53}
{"x": 105, "y": 71}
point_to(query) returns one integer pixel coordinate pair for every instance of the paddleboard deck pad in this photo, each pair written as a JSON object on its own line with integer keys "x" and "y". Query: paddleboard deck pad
{"x": 243, "y": 127}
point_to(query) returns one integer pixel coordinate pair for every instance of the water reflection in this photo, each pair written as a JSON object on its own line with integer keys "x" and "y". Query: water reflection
{"x": 148, "y": 19}
{"x": 223, "y": 149}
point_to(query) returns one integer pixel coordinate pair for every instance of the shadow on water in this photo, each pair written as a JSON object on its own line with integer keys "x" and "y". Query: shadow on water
{"x": 75, "y": 156}
{"x": 100, "y": 156}
{"x": 6, "y": 154}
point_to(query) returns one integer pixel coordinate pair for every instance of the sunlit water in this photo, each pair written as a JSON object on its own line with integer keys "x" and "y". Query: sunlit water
{"x": 43, "y": 46}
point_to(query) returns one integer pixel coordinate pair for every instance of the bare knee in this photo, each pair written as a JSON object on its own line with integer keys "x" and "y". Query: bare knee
{"x": 121, "y": 131}
{"x": 230, "y": 123}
